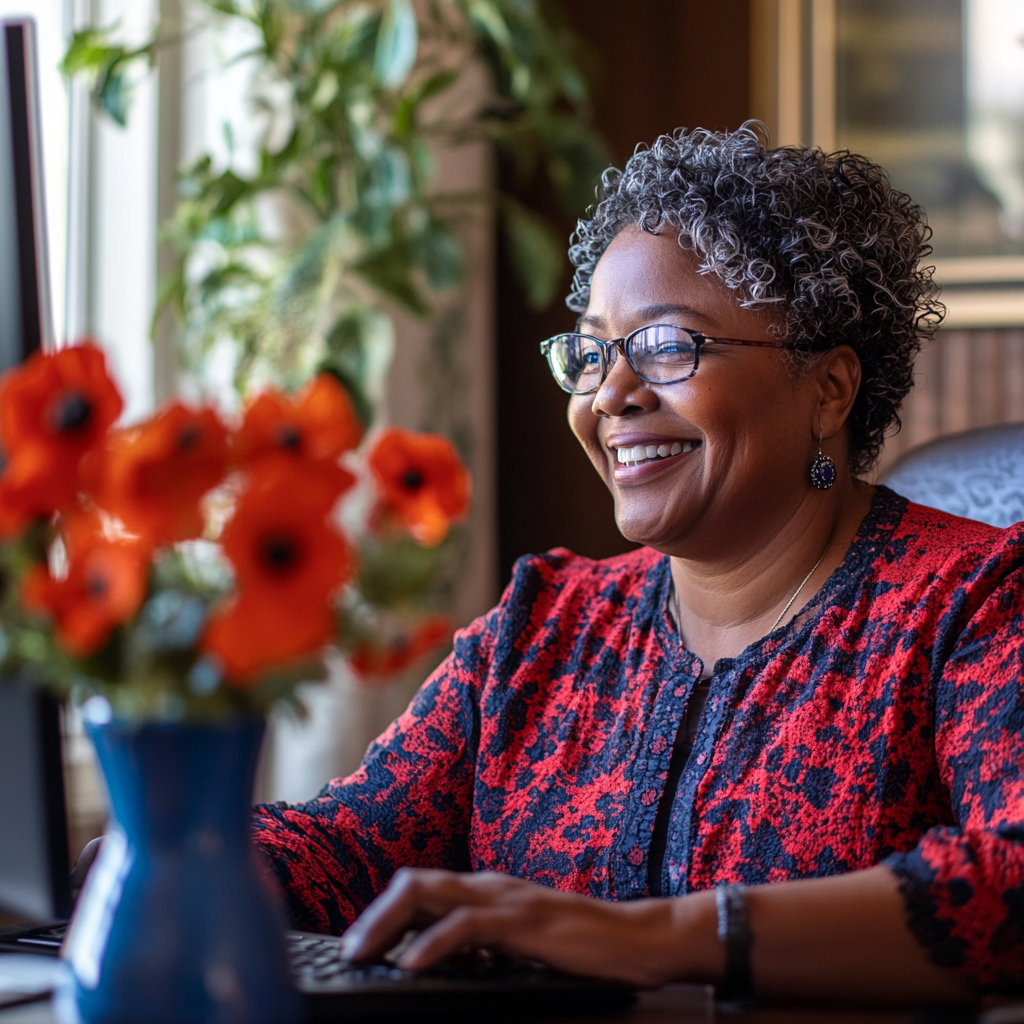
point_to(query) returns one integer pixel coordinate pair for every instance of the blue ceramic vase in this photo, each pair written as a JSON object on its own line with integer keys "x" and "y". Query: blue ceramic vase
{"x": 178, "y": 921}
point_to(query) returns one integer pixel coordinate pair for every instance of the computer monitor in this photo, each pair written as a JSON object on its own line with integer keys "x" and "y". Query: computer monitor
{"x": 25, "y": 317}
{"x": 33, "y": 824}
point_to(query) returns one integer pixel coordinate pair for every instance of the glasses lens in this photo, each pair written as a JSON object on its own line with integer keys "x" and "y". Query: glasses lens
{"x": 575, "y": 361}
{"x": 662, "y": 353}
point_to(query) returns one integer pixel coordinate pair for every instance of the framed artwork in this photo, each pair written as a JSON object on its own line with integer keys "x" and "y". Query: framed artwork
{"x": 934, "y": 91}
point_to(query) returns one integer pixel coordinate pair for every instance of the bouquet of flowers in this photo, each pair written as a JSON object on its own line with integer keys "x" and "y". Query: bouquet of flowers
{"x": 190, "y": 568}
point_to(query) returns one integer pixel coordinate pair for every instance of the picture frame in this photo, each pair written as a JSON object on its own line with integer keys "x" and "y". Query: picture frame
{"x": 802, "y": 52}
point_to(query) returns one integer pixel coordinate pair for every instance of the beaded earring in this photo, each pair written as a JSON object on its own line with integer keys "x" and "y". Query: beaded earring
{"x": 823, "y": 469}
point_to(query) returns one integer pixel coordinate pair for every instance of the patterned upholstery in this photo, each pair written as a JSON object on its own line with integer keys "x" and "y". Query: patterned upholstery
{"x": 978, "y": 474}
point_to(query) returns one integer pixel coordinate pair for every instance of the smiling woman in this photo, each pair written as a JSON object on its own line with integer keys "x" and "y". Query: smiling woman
{"x": 780, "y": 746}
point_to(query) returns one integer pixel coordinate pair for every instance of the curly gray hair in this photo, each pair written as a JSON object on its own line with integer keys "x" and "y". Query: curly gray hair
{"x": 824, "y": 238}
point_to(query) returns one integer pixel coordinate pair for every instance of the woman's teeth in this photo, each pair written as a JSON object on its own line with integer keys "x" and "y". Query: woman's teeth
{"x": 642, "y": 452}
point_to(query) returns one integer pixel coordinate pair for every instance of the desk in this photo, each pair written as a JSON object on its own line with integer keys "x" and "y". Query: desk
{"x": 675, "y": 1004}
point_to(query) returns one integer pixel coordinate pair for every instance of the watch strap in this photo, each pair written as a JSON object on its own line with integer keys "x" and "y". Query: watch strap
{"x": 734, "y": 932}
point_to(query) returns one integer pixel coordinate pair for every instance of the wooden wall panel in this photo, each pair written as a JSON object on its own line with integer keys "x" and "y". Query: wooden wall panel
{"x": 963, "y": 379}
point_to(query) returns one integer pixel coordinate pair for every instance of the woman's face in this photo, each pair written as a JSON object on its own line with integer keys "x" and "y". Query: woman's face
{"x": 745, "y": 421}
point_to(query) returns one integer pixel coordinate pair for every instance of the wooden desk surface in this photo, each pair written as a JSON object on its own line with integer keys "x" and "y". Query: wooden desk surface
{"x": 675, "y": 1004}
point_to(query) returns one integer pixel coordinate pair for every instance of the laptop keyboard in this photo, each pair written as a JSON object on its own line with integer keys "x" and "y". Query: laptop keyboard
{"x": 474, "y": 983}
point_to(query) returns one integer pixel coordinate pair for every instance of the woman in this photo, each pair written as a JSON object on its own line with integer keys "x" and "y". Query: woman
{"x": 800, "y": 683}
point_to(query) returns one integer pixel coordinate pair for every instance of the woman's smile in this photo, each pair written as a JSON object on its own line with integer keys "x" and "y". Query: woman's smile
{"x": 637, "y": 457}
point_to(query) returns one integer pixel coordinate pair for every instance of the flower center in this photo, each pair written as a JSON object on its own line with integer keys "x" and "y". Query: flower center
{"x": 280, "y": 553}
{"x": 96, "y": 586}
{"x": 189, "y": 437}
{"x": 412, "y": 479}
{"x": 71, "y": 412}
{"x": 288, "y": 436}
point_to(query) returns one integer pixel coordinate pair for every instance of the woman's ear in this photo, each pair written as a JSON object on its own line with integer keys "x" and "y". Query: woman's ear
{"x": 838, "y": 373}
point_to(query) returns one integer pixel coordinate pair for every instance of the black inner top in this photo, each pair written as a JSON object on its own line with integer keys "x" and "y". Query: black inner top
{"x": 682, "y": 745}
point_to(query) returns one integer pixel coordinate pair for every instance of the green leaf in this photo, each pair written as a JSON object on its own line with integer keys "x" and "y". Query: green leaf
{"x": 576, "y": 159}
{"x": 535, "y": 251}
{"x": 404, "y": 120}
{"x": 113, "y": 92}
{"x": 397, "y": 42}
{"x": 271, "y": 20}
{"x": 326, "y": 91}
{"x": 89, "y": 51}
{"x": 170, "y": 294}
{"x": 389, "y": 271}
{"x": 228, "y": 7}
{"x": 354, "y": 37}
{"x": 441, "y": 254}
{"x": 226, "y": 189}
{"x": 486, "y": 16}
{"x": 398, "y": 573}
{"x": 436, "y": 84}
{"x": 350, "y": 358}
{"x": 303, "y": 277}
{"x": 389, "y": 179}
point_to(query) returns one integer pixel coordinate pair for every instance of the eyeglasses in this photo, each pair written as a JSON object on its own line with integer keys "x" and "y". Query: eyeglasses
{"x": 658, "y": 354}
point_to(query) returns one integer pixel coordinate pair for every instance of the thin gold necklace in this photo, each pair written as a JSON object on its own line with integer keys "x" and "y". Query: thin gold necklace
{"x": 789, "y": 603}
{"x": 782, "y": 615}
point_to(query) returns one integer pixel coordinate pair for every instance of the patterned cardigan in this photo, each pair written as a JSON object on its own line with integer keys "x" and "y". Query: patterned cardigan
{"x": 884, "y": 724}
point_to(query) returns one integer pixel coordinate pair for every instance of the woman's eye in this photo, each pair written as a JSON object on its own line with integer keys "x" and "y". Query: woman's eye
{"x": 591, "y": 358}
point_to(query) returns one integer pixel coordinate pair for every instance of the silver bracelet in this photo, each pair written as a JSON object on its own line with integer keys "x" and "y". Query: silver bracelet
{"x": 734, "y": 931}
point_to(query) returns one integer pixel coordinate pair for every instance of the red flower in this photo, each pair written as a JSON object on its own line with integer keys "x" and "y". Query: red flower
{"x": 153, "y": 477}
{"x": 104, "y": 587}
{"x": 289, "y": 562}
{"x": 250, "y": 636}
{"x": 54, "y": 409}
{"x": 377, "y": 661}
{"x": 422, "y": 481}
{"x": 320, "y": 423}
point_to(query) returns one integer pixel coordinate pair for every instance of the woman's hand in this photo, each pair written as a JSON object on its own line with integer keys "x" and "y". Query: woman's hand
{"x": 644, "y": 943}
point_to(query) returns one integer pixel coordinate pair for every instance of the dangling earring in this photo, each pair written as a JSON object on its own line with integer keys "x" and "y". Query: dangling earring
{"x": 823, "y": 469}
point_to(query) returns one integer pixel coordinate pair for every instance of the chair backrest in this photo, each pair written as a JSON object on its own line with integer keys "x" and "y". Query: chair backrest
{"x": 978, "y": 474}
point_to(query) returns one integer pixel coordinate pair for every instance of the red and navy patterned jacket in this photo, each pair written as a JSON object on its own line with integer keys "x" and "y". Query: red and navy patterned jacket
{"x": 884, "y": 724}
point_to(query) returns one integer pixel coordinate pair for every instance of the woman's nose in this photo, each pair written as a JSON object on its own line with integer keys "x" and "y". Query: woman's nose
{"x": 621, "y": 390}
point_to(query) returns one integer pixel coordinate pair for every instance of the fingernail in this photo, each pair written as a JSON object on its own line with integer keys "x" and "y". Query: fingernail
{"x": 348, "y": 947}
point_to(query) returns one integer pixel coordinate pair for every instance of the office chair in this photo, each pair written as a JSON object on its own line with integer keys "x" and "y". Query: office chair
{"x": 978, "y": 474}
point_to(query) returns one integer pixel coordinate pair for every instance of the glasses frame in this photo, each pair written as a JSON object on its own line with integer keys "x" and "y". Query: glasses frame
{"x": 623, "y": 345}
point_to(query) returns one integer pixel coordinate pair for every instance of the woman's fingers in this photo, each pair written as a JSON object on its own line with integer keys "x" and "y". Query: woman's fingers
{"x": 463, "y": 926}
{"x": 414, "y": 897}
{"x": 633, "y": 942}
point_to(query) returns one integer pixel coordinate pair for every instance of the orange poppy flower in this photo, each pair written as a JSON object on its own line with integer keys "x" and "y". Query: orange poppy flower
{"x": 289, "y": 561}
{"x": 422, "y": 481}
{"x": 54, "y": 409}
{"x": 153, "y": 477}
{"x": 374, "y": 661}
{"x": 104, "y": 587}
{"x": 320, "y": 423}
{"x": 252, "y": 635}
